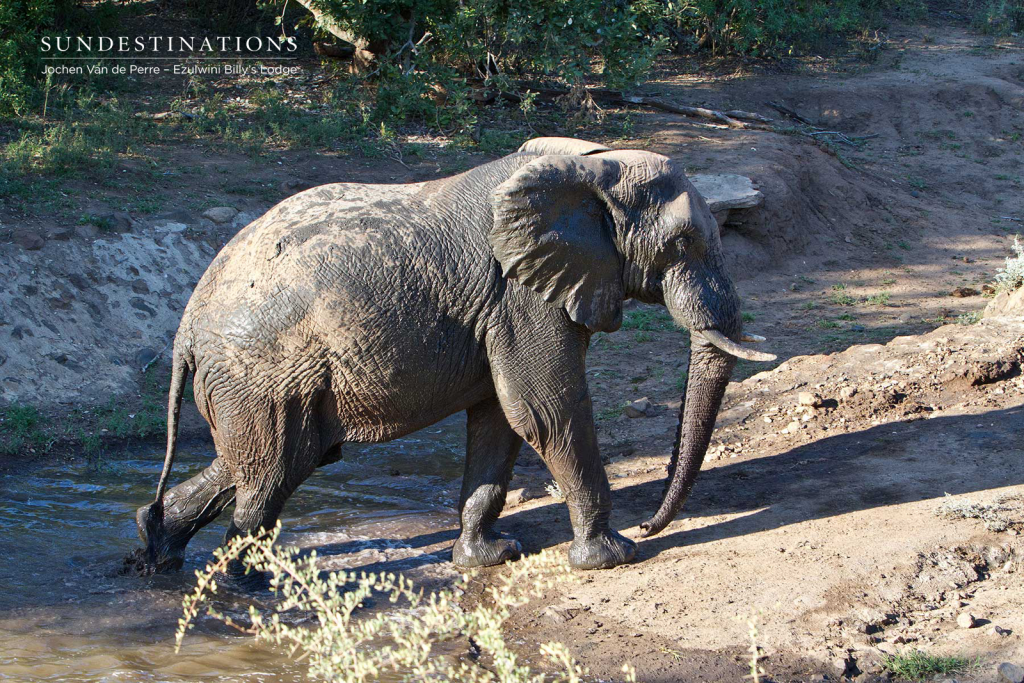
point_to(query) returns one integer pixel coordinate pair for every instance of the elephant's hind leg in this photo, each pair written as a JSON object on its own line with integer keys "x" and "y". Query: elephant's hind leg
{"x": 491, "y": 450}
{"x": 271, "y": 460}
{"x": 188, "y": 507}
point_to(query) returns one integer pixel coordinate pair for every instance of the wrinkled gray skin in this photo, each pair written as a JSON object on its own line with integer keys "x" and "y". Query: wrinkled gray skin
{"x": 361, "y": 313}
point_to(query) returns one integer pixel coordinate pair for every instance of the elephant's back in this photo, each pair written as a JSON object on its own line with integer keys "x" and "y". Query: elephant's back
{"x": 342, "y": 286}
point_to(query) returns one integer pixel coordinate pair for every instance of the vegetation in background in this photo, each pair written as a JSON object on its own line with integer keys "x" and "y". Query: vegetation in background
{"x": 917, "y": 666}
{"x": 324, "y": 619}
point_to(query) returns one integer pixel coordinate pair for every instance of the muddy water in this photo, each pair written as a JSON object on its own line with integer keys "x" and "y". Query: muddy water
{"x": 65, "y": 614}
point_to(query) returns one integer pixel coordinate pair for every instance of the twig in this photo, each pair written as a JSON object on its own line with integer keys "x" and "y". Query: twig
{"x": 1011, "y": 218}
{"x": 157, "y": 356}
{"x": 700, "y": 112}
{"x": 789, "y": 112}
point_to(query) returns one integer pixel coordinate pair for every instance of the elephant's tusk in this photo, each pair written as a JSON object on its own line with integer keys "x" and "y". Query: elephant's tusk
{"x": 752, "y": 338}
{"x": 731, "y": 347}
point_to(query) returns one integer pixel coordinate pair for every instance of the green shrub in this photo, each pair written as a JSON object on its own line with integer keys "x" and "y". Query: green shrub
{"x": 770, "y": 27}
{"x": 345, "y": 642}
{"x": 1011, "y": 277}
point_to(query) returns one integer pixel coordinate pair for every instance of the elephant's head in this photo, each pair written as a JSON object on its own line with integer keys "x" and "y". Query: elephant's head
{"x": 587, "y": 227}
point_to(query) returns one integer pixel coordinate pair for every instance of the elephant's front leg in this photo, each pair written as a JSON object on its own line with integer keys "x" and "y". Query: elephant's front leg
{"x": 543, "y": 391}
{"x": 491, "y": 450}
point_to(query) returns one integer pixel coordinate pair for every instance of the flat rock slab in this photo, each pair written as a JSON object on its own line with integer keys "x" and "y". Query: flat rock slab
{"x": 724, "y": 191}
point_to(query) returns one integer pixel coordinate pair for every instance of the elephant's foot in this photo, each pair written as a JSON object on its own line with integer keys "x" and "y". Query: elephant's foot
{"x": 484, "y": 551}
{"x": 604, "y": 551}
{"x": 161, "y": 554}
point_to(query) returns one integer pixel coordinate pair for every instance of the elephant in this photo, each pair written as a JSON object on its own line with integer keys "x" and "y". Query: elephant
{"x": 361, "y": 313}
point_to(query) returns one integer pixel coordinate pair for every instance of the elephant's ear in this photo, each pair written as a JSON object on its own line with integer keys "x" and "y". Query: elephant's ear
{"x": 553, "y": 233}
{"x": 570, "y": 146}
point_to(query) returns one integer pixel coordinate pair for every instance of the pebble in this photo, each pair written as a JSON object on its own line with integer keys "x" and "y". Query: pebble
{"x": 516, "y": 497}
{"x": 840, "y": 664}
{"x": 1011, "y": 673}
{"x": 639, "y": 408}
{"x": 847, "y": 392}
{"x": 220, "y": 214}
{"x": 806, "y": 398}
{"x": 791, "y": 427}
{"x": 966, "y": 620}
{"x": 998, "y": 631}
{"x": 171, "y": 226}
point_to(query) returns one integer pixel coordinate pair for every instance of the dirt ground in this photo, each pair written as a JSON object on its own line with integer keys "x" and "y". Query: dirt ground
{"x": 819, "y": 522}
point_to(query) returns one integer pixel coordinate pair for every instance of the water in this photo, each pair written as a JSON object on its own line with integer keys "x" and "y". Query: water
{"x": 65, "y": 614}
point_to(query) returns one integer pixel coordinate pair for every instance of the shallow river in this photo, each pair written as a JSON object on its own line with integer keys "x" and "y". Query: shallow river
{"x": 65, "y": 614}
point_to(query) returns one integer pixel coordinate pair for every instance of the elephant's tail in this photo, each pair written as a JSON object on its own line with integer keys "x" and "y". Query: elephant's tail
{"x": 179, "y": 375}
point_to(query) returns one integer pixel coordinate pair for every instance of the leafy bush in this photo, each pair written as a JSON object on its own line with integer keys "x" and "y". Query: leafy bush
{"x": 1011, "y": 277}
{"x": 770, "y": 27}
{"x": 346, "y": 643}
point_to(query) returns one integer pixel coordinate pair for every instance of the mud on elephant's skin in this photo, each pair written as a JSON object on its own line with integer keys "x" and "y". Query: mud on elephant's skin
{"x": 360, "y": 313}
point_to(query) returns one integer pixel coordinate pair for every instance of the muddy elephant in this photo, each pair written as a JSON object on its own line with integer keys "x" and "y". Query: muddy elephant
{"x": 361, "y": 313}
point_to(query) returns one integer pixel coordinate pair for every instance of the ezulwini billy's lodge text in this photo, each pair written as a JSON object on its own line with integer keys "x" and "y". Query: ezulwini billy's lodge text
{"x": 176, "y": 69}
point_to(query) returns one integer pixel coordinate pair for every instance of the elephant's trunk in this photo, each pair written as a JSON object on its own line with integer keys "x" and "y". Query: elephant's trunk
{"x": 706, "y": 381}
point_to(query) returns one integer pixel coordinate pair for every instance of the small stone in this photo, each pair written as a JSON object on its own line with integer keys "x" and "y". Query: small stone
{"x": 560, "y": 615}
{"x": 516, "y": 497}
{"x": 639, "y": 408}
{"x": 767, "y": 420}
{"x": 293, "y": 186}
{"x": 29, "y": 240}
{"x": 817, "y": 678}
{"x": 840, "y": 664}
{"x": 998, "y": 631}
{"x": 791, "y": 427}
{"x": 220, "y": 214}
{"x": 806, "y": 398}
{"x": 1011, "y": 673}
{"x": 847, "y": 392}
{"x": 966, "y": 620}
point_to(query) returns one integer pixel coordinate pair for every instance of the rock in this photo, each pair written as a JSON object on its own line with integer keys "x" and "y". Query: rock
{"x": 29, "y": 240}
{"x": 61, "y": 232}
{"x": 170, "y": 226}
{"x": 792, "y": 427}
{"x": 88, "y": 231}
{"x": 118, "y": 221}
{"x": 1011, "y": 673}
{"x": 559, "y": 614}
{"x": 724, "y": 191}
{"x": 220, "y": 214}
{"x": 818, "y": 678}
{"x": 998, "y": 631}
{"x": 847, "y": 392}
{"x": 966, "y": 620}
{"x": 293, "y": 186}
{"x": 516, "y": 497}
{"x": 1006, "y": 304}
{"x": 806, "y": 398}
{"x": 639, "y": 408}
{"x": 962, "y": 292}
{"x": 840, "y": 664}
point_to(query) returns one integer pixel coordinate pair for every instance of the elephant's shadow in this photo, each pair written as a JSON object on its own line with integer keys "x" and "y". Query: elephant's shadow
{"x": 889, "y": 464}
